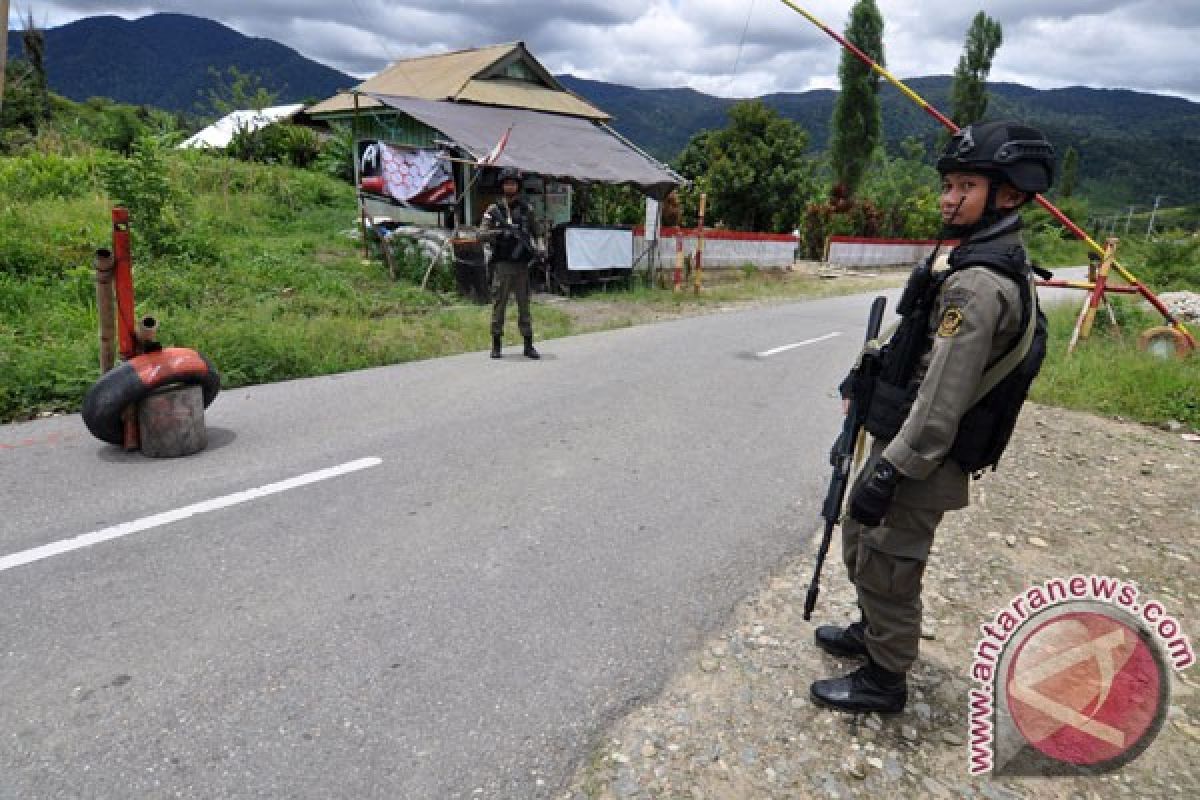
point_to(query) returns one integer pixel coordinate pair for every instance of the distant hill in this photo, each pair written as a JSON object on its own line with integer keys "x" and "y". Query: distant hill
{"x": 1132, "y": 145}
{"x": 163, "y": 60}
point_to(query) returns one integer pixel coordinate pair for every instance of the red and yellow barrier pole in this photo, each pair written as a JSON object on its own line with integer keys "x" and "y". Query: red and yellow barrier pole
{"x": 1079, "y": 233}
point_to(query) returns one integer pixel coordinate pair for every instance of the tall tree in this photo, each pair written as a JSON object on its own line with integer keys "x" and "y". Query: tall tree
{"x": 756, "y": 172}
{"x": 234, "y": 90}
{"x": 1070, "y": 167}
{"x": 3, "y": 50}
{"x": 857, "y": 126}
{"x": 968, "y": 94}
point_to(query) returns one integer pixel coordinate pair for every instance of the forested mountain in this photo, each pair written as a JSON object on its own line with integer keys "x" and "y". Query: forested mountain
{"x": 1132, "y": 145}
{"x": 164, "y": 60}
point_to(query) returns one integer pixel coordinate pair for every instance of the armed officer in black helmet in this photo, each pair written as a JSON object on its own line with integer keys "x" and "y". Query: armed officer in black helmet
{"x": 509, "y": 226}
{"x": 962, "y": 324}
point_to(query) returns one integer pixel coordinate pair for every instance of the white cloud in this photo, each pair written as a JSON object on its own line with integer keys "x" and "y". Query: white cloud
{"x": 1146, "y": 44}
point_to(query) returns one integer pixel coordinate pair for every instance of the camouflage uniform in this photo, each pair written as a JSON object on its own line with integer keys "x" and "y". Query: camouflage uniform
{"x": 510, "y": 262}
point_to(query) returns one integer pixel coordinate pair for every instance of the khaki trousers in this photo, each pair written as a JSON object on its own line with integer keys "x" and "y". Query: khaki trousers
{"x": 512, "y": 277}
{"x": 886, "y": 564}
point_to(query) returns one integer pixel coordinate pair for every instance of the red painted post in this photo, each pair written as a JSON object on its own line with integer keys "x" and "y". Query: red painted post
{"x": 123, "y": 281}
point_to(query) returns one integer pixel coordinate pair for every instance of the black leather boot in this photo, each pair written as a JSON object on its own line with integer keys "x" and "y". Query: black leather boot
{"x": 845, "y": 642}
{"x": 529, "y": 351}
{"x": 868, "y": 688}
{"x": 495, "y": 347}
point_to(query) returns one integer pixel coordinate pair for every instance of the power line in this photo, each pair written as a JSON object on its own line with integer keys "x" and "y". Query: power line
{"x": 741, "y": 43}
{"x": 1153, "y": 211}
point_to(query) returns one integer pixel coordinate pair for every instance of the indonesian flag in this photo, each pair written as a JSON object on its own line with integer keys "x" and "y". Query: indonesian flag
{"x": 491, "y": 157}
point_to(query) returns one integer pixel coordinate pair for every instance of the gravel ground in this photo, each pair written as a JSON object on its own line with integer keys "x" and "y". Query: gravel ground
{"x": 1075, "y": 494}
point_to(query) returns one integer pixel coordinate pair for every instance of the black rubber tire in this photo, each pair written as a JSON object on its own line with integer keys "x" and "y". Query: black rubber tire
{"x": 123, "y": 386}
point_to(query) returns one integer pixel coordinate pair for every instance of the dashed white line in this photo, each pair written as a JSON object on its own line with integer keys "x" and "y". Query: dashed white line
{"x": 167, "y": 517}
{"x": 784, "y": 348}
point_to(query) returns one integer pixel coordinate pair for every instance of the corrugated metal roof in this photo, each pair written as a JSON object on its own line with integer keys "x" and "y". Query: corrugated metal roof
{"x": 463, "y": 76}
{"x": 221, "y": 132}
{"x": 556, "y": 145}
{"x": 435, "y": 77}
{"x": 342, "y": 102}
{"x": 522, "y": 94}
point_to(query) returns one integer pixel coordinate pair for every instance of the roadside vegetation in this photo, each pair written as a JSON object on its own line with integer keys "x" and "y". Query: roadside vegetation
{"x": 251, "y": 256}
{"x": 1107, "y": 374}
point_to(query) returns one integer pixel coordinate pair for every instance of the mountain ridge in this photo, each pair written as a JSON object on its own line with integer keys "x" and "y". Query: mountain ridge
{"x": 1132, "y": 145}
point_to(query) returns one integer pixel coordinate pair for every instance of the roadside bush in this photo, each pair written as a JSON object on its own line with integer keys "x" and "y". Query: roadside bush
{"x": 41, "y": 175}
{"x": 280, "y": 143}
{"x": 140, "y": 184}
{"x": 412, "y": 260}
{"x": 337, "y": 155}
{"x": 1171, "y": 263}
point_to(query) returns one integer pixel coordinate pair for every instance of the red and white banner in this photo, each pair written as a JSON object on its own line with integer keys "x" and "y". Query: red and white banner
{"x": 413, "y": 177}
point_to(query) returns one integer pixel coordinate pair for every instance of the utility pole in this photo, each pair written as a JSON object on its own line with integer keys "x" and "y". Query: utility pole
{"x": 3, "y": 49}
{"x": 1129, "y": 218}
{"x": 1153, "y": 211}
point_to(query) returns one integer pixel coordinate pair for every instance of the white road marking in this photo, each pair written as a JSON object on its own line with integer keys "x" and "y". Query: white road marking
{"x": 776, "y": 350}
{"x": 167, "y": 517}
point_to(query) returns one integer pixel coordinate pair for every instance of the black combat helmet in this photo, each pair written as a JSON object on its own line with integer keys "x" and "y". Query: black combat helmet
{"x": 510, "y": 173}
{"x": 1017, "y": 152}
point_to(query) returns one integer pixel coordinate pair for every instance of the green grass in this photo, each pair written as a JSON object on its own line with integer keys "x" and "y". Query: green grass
{"x": 258, "y": 273}
{"x": 1107, "y": 374}
{"x": 260, "y": 276}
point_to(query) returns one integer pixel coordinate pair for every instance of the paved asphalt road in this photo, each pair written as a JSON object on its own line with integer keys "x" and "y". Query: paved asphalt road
{"x": 530, "y": 549}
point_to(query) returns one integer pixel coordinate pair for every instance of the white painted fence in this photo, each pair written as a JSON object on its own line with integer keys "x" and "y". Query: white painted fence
{"x": 722, "y": 249}
{"x": 856, "y": 251}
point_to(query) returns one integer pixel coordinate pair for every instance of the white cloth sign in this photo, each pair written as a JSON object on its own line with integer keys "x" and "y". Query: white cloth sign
{"x": 599, "y": 248}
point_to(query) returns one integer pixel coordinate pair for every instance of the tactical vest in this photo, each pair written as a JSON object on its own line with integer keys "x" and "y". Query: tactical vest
{"x": 509, "y": 245}
{"x": 987, "y": 426}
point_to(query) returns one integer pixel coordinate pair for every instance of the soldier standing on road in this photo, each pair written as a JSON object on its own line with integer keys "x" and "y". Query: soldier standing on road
{"x": 509, "y": 226}
{"x": 941, "y": 421}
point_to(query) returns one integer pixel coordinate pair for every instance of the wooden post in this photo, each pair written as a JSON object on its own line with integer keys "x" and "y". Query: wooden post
{"x": 362, "y": 205}
{"x": 677, "y": 278}
{"x": 1087, "y": 314}
{"x": 698, "y": 266}
{"x": 105, "y": 309}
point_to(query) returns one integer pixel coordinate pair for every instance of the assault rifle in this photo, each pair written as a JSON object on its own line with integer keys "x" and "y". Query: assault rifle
{"x": 524, "y": 242}
{"x": 841, "y": 457}
{"x": 505, "y": 226}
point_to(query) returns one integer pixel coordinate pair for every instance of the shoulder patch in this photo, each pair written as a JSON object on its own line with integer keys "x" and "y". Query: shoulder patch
{"x": 952, "y": 320}
{"x": 956, "y": 296}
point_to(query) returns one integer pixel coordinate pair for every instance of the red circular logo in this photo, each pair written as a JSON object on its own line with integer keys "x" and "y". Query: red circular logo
{"x": 1085, "y": 688}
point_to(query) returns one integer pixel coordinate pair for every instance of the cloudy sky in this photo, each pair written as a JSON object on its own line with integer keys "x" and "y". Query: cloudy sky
{"x": 741, "y": 48}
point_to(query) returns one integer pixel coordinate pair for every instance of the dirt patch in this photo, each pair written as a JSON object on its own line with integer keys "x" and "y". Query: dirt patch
{"x": 1076, "y": 494}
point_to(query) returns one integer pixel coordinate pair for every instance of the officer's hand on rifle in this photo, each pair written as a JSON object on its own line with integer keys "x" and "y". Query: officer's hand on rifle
{"x": 871, "y": 499}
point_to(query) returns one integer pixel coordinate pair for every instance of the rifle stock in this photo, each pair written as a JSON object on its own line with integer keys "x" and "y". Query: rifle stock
{"x": 841, "y": 457}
